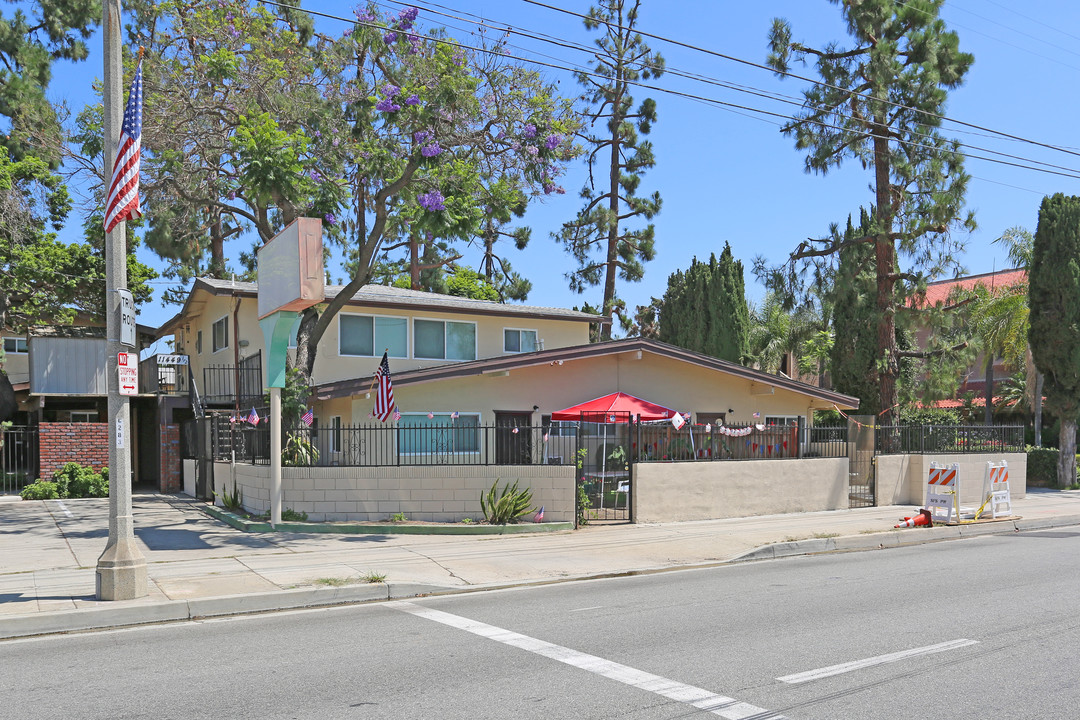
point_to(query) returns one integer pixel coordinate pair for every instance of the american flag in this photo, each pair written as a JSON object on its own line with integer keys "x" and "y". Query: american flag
{"x": 454, "y": 415}
{"x": 384, "y": 401}
{"x": 539, "y": 516}
{"x": 253, "y": 417}
{"x": 308, "y": 417}
{"x": 123, "y": 199}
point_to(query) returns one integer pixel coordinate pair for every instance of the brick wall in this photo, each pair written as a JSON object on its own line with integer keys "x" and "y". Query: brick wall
{"x": 171, "y": 479}
{"x": 83, "y": 443}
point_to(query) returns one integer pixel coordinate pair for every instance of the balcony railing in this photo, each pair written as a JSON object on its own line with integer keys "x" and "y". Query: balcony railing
{"x": 164, "y": 375}
{"x": 220, "y": 383}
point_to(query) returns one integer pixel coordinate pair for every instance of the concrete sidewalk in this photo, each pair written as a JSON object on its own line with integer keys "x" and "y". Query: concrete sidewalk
{"x": 199, "y": 566}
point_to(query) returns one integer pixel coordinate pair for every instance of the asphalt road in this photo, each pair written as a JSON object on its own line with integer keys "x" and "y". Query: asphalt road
{"x": 982, "y": 628}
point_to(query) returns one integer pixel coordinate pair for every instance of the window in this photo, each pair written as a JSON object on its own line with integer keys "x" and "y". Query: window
{"x": 362, "y": 335}
{"x": 15, "y": 345}
{"x": 221, "y": 334}
{"x": 84, "y": 416}
{"x": 519, "y": 341}
{"x": 198, "y": 343}
{"x": 334, "y": 442}
{"x": 781, "y": 419}
{"x": 419, "y": 434}
{"x": 440, "y": 340}
{"x": 711, "y": 418}
{"x": 558, "y": 428}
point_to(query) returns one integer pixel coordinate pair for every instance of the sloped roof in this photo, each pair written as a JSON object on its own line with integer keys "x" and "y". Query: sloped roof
{"x": 392, "y": 297}
{"x": 940, "y": 290}
{"x": 347, "y": 388}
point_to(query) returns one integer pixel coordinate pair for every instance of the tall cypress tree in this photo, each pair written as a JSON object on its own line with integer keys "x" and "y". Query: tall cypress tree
{"x": 704, "y": 309}
{"x": 1054, "y": 330}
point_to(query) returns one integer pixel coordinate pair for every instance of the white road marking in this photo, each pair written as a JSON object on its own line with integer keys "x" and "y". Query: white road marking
{"x": 870, "y": 662}
{"x": 702, "y": 699}
{"x": 64, "y": 508}
{"x": 594, "y": 607}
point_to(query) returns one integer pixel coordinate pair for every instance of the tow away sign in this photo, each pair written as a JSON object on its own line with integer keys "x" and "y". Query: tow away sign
{"x": 127, "y": 367}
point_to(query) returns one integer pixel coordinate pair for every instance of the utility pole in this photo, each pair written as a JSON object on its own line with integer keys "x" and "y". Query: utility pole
{"x": 121, "y": 569}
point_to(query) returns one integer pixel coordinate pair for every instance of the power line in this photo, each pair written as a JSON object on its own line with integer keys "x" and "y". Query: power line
{"x": 1051, "y": 169}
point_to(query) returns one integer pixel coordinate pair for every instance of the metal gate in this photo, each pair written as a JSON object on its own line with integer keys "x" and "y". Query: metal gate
{"x": 603, "y": 462}
{"x": 862, "y": 465}
{"x": 18, "y": 458}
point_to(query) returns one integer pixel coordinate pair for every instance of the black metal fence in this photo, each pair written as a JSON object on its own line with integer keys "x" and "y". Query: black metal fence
{"x": 18, "y": 458}
{"x": 962, "y": 439}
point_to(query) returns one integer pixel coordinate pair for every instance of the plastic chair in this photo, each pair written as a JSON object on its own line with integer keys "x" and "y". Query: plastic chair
{"x": 624, "y": 488}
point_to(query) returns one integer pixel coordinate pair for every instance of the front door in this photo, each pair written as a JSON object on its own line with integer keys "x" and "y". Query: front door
{"x": 513, "y": 438}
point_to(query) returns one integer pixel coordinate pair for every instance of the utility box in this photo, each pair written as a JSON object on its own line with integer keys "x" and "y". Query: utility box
{"x": 290, "y": 268}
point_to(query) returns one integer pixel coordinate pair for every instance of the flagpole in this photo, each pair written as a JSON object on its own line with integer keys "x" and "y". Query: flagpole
{"x": 121, "y": 569}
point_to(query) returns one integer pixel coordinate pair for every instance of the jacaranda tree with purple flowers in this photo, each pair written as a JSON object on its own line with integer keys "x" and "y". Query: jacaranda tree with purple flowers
{"x": 430, "y": 127}
{"x": 600, "y": 238}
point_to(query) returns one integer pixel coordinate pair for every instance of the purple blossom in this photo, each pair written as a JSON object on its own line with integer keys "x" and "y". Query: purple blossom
{"x": 408, "y": 14}
{"x": 532, "y": 150}
{"x": 314, "y": 175}
{"x": 387, "y": 105}
{"x": 390, "y": 90}
{"x": 348, "y": 32}
{"x": 329, "y": 218}
{"x": 232, "y": 195}
{"x": 421, "y": 136}
{"x": 365, "y": 16}
{"x": 414, "y": 44}
{"x": 335, "y": 142}
{"x": 552, "y": 141}
{"x": 432, "y": 201}
{"x": 431, "y": 150}
{"x": 549, "y": 188}
{"x": 229, "y": 16}
{"x": 390, "y": 38}
{"x": 233, "y": 31}
{"x": 530, "y": 131}
{"x": 412, "y": 100}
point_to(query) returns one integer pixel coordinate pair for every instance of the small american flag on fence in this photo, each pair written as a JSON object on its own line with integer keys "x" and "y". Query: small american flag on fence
{"x": 253, "y": 417}
{"x": 384, "y": 400}
{"x": 308, "y": 417}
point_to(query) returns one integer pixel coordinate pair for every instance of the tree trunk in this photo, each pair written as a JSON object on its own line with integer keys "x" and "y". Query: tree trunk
{"x": 1066, "y": 465}
{"x": 305, "y": 351}
{"x": 988, "y": 392}
{"x": 1038, "y": 408}
{"x": 883, "y": 258}
{"x": 414, "y": 263}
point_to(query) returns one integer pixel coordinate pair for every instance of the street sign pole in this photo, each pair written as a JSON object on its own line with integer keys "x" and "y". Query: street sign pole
{"x": 121, "y": 569}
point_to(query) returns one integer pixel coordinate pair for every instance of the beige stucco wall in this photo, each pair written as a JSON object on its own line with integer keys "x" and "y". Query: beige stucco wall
{"x": 674, "y": 492}
{"x": 206, "y": 309}
{"x": 901, "y": 479}
{"x": 435, "y": 494}
{"x": 671, "y": 383}
{"x": 17, "y": 365}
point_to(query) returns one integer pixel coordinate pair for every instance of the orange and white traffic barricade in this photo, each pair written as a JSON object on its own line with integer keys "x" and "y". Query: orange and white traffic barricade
{"x": 943, "y": 492}
{"x": 996, "y": 490}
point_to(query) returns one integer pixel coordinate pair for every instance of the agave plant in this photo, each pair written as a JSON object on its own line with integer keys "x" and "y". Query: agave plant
{"x": 299, "y": 451}
{"x": 504, "y": 507}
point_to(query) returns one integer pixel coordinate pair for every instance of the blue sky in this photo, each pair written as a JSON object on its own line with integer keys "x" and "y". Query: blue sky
{"x": 730, "y": 175}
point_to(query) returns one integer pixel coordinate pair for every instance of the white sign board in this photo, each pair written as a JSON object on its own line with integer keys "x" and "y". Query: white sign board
{"x": 127, "y": 317}
{"x": 127, "y": 367}
{"x": 172, "y": 360}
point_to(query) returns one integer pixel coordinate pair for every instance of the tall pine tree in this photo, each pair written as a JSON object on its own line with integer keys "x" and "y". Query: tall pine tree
{"x": 599, "y": 238}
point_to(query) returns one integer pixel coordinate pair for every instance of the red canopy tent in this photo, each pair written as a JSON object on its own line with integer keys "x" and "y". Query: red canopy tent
{"x": 617, "y": 407}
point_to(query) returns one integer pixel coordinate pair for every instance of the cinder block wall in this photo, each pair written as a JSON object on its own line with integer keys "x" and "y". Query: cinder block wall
{"x": 432, "y": 494}
{"x": 901, "y": 479}
{"x": 61, "y": 443}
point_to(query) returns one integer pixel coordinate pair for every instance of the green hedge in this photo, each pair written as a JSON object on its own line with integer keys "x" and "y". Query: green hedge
{"x": 71, "y": 481}
{"x": 1042, "y": 467}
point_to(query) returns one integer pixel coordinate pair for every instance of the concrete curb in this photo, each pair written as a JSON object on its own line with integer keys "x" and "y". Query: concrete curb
{"x": 898, "y": 538}
{"x": 246, "y": 525}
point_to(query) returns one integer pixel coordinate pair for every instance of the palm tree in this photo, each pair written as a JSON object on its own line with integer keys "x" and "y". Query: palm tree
{"x": 1000, "y": 319}
{"x": 775, "y": 333}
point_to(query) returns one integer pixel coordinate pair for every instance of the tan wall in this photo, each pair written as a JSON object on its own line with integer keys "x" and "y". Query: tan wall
{"x": 17, "y": 365}
{"x": 901, "y": 479}
{"x": 675, "y": 492}
{"x": 434, "y": 494}
{"x": 674, "y": 384}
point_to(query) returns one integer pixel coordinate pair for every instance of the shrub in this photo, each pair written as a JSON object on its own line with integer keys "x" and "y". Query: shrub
{"x": 290, "y": 515}
{"x": 233, "y": 502}
{"x": 1042, "y": 467}
{"x": 299, "y": 451}
{"x": 504, "y": 507}
{"x": 40, "y": 490}
{"x": 78, "y": 481}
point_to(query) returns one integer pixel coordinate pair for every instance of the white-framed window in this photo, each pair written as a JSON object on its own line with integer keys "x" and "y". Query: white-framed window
{"x": 334, "y": 440}
{"x": 365, "y": 335}
{"x": 15, "y": 346}
{"x": 559, "y": 428}
{"x": 221, "y": 333}
{"x": 419, "y": 434}
{"x": 781, "y": 419}
{"x": 84, "y": 416}
{"x": 444, "y": 340}
{"x": 516, "y": 340}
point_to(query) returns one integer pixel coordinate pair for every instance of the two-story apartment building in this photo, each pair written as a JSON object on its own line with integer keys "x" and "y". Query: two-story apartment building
{"x": 483, "y": 362}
